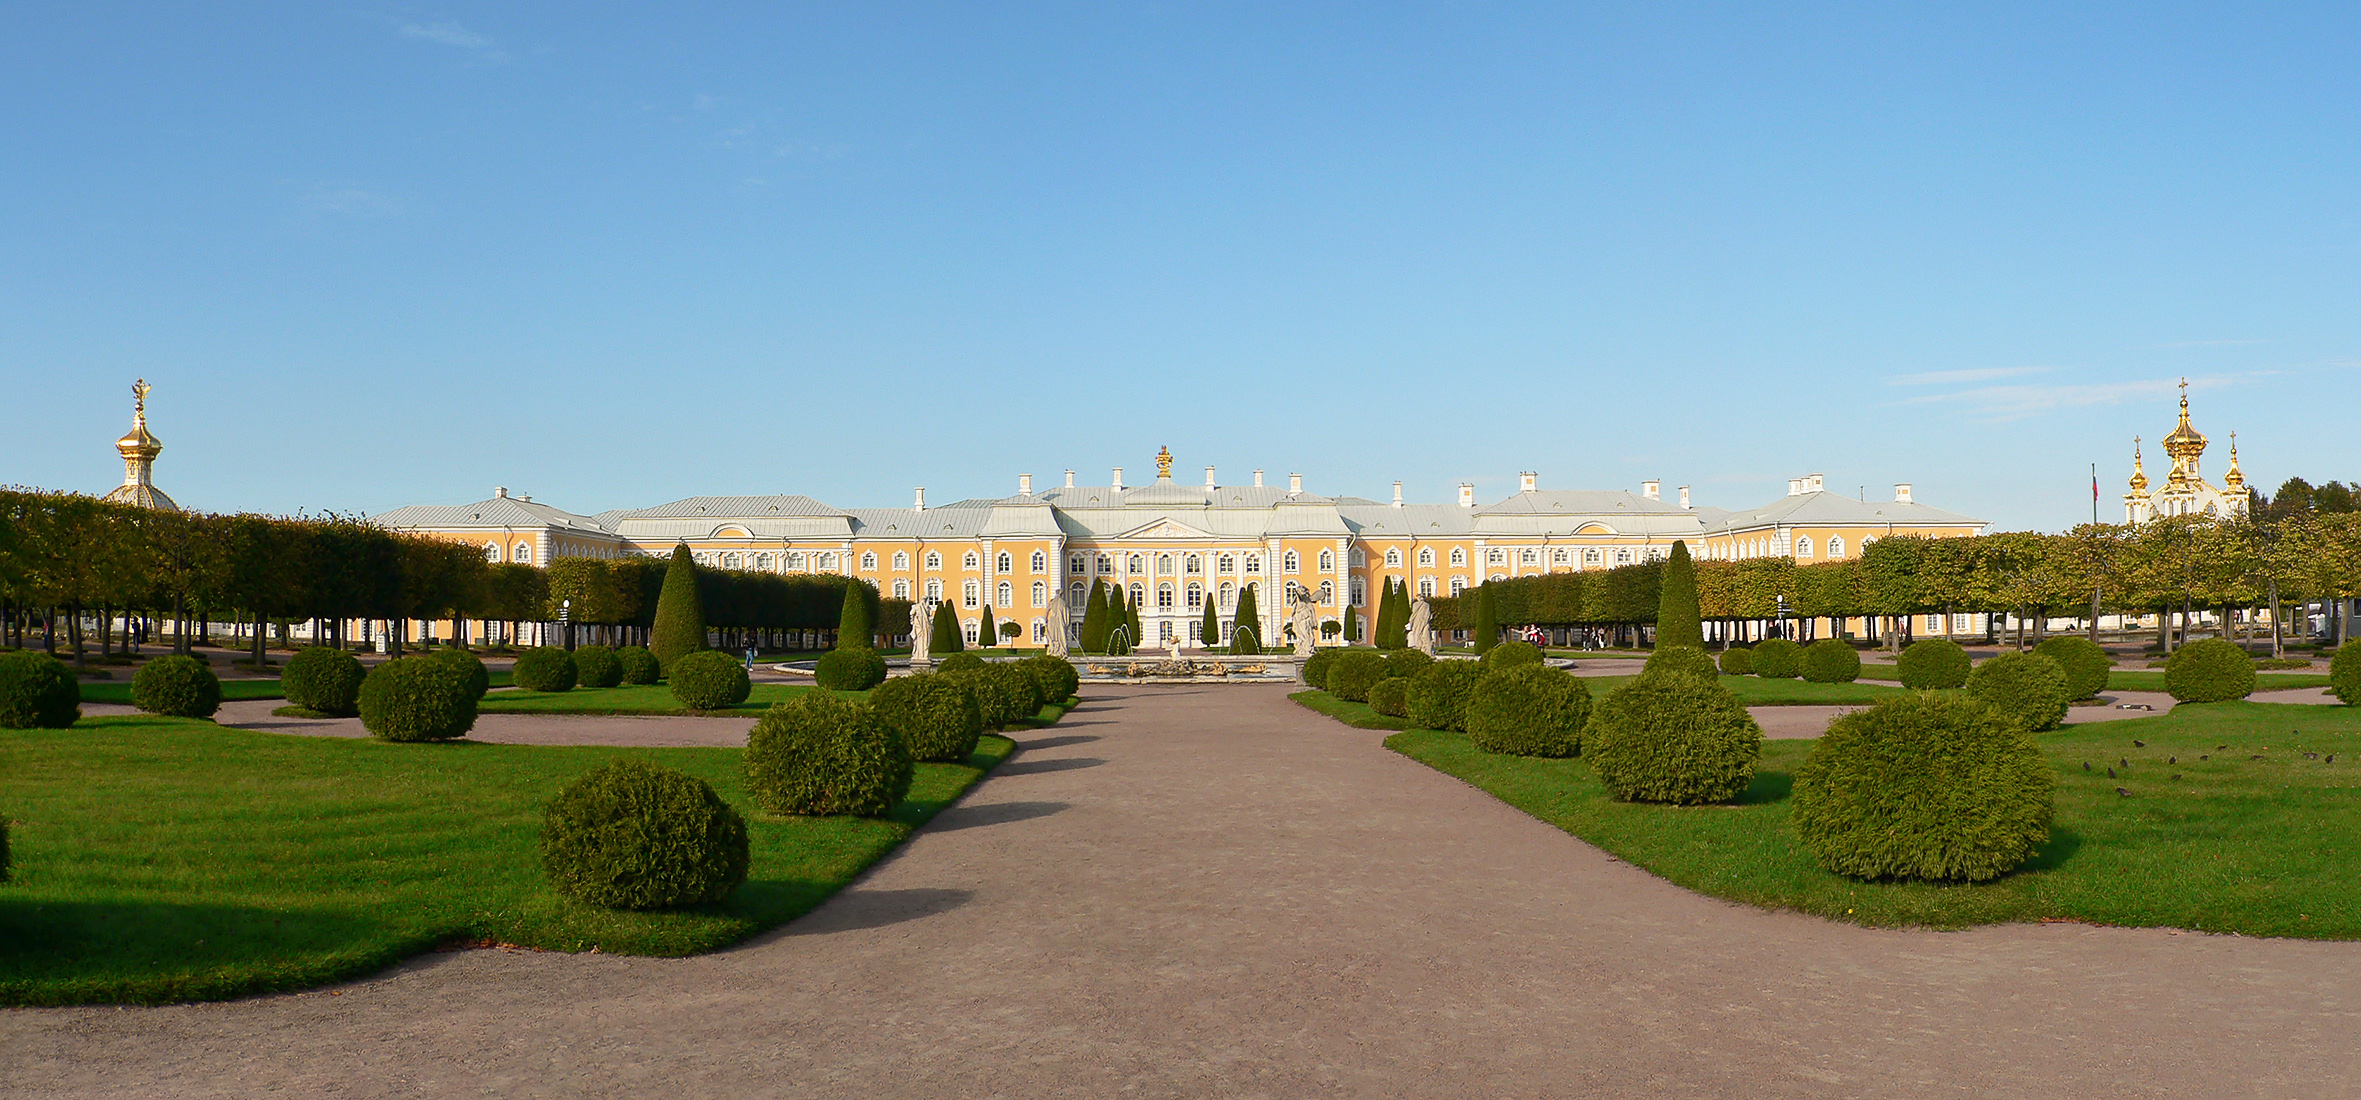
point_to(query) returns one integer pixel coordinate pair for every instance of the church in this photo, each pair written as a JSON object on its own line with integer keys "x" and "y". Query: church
{"x": 2185, "y": 492}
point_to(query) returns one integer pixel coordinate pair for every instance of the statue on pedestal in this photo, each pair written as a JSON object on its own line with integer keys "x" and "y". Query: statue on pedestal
{"x": 1057, "y": 624}
{"x": 922, "y": 629}
{"x": 1422, "y": 631}
{"x": 1305, "y": 618}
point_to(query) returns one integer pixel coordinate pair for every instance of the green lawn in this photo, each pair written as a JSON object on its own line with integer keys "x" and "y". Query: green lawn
{"x": 1754, "y": 691}
{"x": 119, "y": 691}
{"x": 160, "y": 859}
{"x": 2234, "y": 844}
{"x": 2153, "y": 680}
{"x": 631, "y": 699}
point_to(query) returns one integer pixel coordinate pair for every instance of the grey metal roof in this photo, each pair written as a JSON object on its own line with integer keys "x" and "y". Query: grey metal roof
{"x": 499, "y": 511}
{"x": 1836, "y": 508}
{"x": 748, "y": 507}
{"x": 958, "y": 520}
{"x": 1407, "y": 521}
{"x": 1588, "y": 502}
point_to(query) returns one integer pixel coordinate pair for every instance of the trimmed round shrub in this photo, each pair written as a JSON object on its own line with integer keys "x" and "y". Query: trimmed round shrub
{"x": 709, "y": 680}
{"x": 596, "y": 666}
{"x": 1931, "y": 663}
{"x": 2028, "y": 689}
{"x": 1438, "y": 694}
{"x": 1055, "y": 676}
{"x": 323, "y": 678}
{"x": 959, "y": 662}
{"x": 857, "y": 669}
{"x": 417, "y": 699}
{"x": 2344, "y": 673}
{"x": 822, "y": 754}
{"x": 936, "y": 717}
{"x": 1314, "y": 672}
{"x": 37, "y": 691}
{"x": 2211, "y": 671}
{"x": 1511, "y": 654}
{"x": 1006, "y": 695}
{"x": 1672, "y": 737}
{"x": 546, "y": 668}
{"x": 1682, "y": 658}
{"x": 1018, "y": 688}
{"x": 1529, "y": 710}
{"x": 1777, "y": 659}
{"x": 1830, "y": 661}
{"x": 1737, "y": 660}
{"x": 639, "y": 666}
{"x": 1353, "y": 673}
{"x": 1937, "y": 787}
{"x": 479, "y": 678}
{"x": 1404, "y": 663}
{"x": 183, "y": 687}
{"x": 2084, "y": 663}
{"x": 633, "y": 834}
{"x": 1391, "y": 696}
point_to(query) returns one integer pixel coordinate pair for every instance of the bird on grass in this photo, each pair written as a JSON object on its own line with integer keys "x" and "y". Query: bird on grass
{"x": 2086, "y": 765}
{"x": 2172, "y": 760}
{"x": 2110, "y": 773}
{"x": 2124, "y": 793}
{"x": 2331, "y": 759}
{"x": 2205, "y": 756}
{"x": 2124, "y": 761}
{"x": 2256, "y": 756}
{"x": 2176, "y": 777}
{"x": 2138, "y": 744}
{"x": 2311, "y": 756}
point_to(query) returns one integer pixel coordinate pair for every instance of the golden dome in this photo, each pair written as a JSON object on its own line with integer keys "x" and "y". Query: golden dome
{"x": 2185, "y": 441}
{"x": 139, "y": 448}
{"x": 2233, "y": 480}
{"x": 2139, "y": 476}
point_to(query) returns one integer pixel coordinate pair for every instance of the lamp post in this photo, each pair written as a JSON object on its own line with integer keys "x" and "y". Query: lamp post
{"x": 565, "y": 618}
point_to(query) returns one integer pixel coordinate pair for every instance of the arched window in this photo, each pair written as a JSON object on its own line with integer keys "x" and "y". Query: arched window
{"x": 1292, "y": 589}
{"x": 1164, "y": 565}
{"x": 1426, "y": 556}
{"x": 1393, "y": 557}
{"x": 523, "y": 554}
{"x": 968, "y": 628}
{"x": 1803, "y": 548}
{"x": 1040, "y": 562}
{"x": 1496, "y": 556}
{"x": 1458, "y": 585}
{"x": 1327, "y": 561}
{"x": 1106, "y": 564}
{"x": 1196, "y": 596}
{"x": 934, "y": 592}
{"x": 1327, "y": 591}
{"x": 1458, "y": 556}
{"x": 970, "y": 594}
{"x": 1358, "y": 558}
{"x": 1360, "y": 593}
{"x": 1500, "y": 576}
{"x": 1139, "y": 594}
{"x": 1164, "y": 596}
{"x": 1138, "y": 563}
{"x": 729, "y": 561}
{"x": 1836, "y": 546}
{"x": 1229, "y": 595}
{"x": 970, "y": 561}
{"x": 1076, "y": 563}
{"x": 901, "y": 590}
{"x": 1289, "y": 563}
{"x": 1254, "y": 563}
{"x": 1004, "y": 563}
{"x": 901, "y": 561}
{"x": 795, "y": 562}
{"x": 1040, "y": 630}
{"x": 1426, "y": 586}
{"x": 1077, "y": 596}
{"x": 868, "y": 561}
{"x": 1227, "y": 564}
{"x": 491, "y": 551}
{"x": 1004, "y": 596}
{"x": 934, "y": 560}
{"x": 1530, "y": 557}
{"x": 1040, "y": 593}
{"x": 1193, "y": 563}
{"x": 765, "y": 562}
{"x": 827, "y": 563}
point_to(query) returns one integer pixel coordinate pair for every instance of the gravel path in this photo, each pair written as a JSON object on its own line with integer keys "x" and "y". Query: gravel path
{"x": 1211, "y": 892}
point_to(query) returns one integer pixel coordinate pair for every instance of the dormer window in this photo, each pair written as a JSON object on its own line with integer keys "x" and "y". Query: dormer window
{"x": 934, "y": 560}
{"x": 1327, "y": 562}
{"x": 1289, "y": 562}
{"x": 970, "y": 561}
{"x": 1393, "y": 557}
{"x": 1458, "y": 555}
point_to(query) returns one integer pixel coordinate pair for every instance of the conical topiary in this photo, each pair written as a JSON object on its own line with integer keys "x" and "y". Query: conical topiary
{"x": 679, "y": 629}
{"x": 853, "y": 623}
{"x": 1678, "y": 622}
{"x": 1246, "y": 633}
{"x": 1094, "y": 619}
{"x": 1487, "y": 625}
{"x": 985, "y": 636}
{"x": 1209, "y": 631}
{"x": 1393, "y": 631}
{"x": 1131, "y": 615}
{"x": 945, "y": 638}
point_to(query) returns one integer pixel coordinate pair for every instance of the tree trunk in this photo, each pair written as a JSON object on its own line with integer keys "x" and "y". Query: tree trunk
{"x": 180, "y": 625}
{"x": 106, "y": 631}
{"x": 2164, "y": 630}
{"x": 74, "y": 633}
{"x": 257, "y": 642}
{"x": 2278, "y": 643}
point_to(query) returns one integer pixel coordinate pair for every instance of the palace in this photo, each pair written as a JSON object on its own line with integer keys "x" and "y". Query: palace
{"x": 2185, "y": 492}
{"x": 1173, "y": 546}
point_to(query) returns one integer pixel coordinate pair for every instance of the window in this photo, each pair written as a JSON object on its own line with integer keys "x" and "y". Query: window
{"x": 1426, "y": 586}
{"x": 1040, "y": 562}
{"x": 1327, "y": 592}
{"x": 1164, "y": 596}
{"x": 1106, "y": 564}
{"x": 1077, "y": 595}
{"x": 1393, "y": 556}
{"x": 969, "y": 628}
{"x": 1934, "y": 624}
{"x": 1227, "y": 564}
{"x": 523, "y": 554}
{"x": 1004, "y": 596}
{"x": 901, "y": 561}
{"x": 1590, "y": 557}
{"x": 491, "y": 551}
{"x": 827, "y": 563}
{"x": 729, "y": 561}
{"x": 1139, "y": 594}
{"x": 1289, "y": 563}
{"x": 1196, "y": 596}
{"x": 1004, "y": 563}
{"x": 1458, "y": 585}
{"x": 970, "y": 561}
{"x": 1360, "y": 593}
{"x": 1040, "y": 630}
{"x": 1229, "y": 595}
{"x": 1623, "y": 556}
{"x": 1327, "y": 561}
{"x": 1164, "y": 565}
{"x": 1077, "y": 564}
{"x": 1196, "y": 631}
{"x": 1500, "y": 576}
{"x": 1836, "y": 546}
{"x": 795, "y": 562}
{"x": 1359, "y": 559}
{"x": 1530, "y": 557}
{"x": 934, "y": 560}
{"x": 1497, "y": 556}
{"x": 934, "y": 592}
{"x": 1040, "y": 593}
{"x": 1458, "y": 555}
{"x": 1803, "y": 548}
{"x": 1254, "y": 563}
{"x": 901, "y": 590}
{"x": 1426, "y": 556}
{"x": 1292, "y": 589}
{"x": 1138, "y": 563}
{"x": 764, "y": 562}
{"x": 1193, "y": 564}
{"x": 970, "y": 595}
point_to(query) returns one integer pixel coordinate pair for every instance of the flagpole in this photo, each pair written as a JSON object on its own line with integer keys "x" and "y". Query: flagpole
{"x": 2094, "y": 494}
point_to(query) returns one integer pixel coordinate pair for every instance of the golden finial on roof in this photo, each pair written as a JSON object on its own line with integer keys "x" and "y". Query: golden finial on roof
{"x": 1164, "y": 464}
{"x": 2234, "y": 479}
{"x": 2139, "y": 476}
{"x": 138, "y": 441}
{"x": 139, "y": 449}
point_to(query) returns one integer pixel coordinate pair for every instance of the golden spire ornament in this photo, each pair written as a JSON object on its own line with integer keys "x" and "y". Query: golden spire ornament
{"x": 1164, "y": 464}
{"x": 139, "y": 448}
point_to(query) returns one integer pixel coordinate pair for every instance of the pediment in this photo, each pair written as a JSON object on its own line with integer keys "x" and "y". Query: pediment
{"x": 1166, "y": 529}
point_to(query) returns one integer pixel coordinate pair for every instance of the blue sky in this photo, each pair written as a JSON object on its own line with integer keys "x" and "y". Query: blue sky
{"x": 371, "y": 256}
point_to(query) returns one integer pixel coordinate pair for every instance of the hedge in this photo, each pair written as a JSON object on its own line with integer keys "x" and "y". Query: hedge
{"x": 1314, "y": 672}
{"x": 323, "y": 678}
{"x": 1777, "y": 659}
{"x": 1059, "y": 682}
{"x": 596, "y": 666}
{"x": 1391, "y": 696}
{"x": 937, "y": 717}
{"x": 1931, "y": 663}
{"x": 709, "y": 680}
{"x": 959, "y": 662}
{"x": 1830, "y": 661}
{"x": 1934, "y": 787}
{"x": 1528, "y": 710}
{"x": 545, "y": 668}
{"x": 2083, "y": 662}
{"x": 183, "y": 687}
{"x": 633, "y": 834}
{"x": 2344, "y": 673}
{"x": 1405, "y": 663}
{"x": 2028, "y": 689}
{"x": 639, "y": 665}
{"x": 1672, "y": 737}
{"x": 1438, "y": 694}
{"x": 37, "y": 691}
{"x": 1681, "y": 658}
{"x": 2211, "y": 671}
{"x": 1511, "y": 654}
{"x": 1352, "y": 674}
{"x": 417, "y": 699}
{"x": 849, "y": 668}
{"x": 821, "y": 754}
{"x": 1737, "y": 660}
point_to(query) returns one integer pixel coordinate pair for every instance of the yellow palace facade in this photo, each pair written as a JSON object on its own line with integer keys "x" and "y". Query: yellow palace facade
{"x": 1172, "y": 546}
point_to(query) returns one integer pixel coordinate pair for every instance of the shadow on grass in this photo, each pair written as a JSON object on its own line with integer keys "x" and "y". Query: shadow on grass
{"x": 156, "y": 952}
{"x": 1767, "y": 787}
{"x": 2064, "y": 841}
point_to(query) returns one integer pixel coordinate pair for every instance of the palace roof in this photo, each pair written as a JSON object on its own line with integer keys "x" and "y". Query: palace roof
{"x": 501, "y": 510}
{"x": 1807, "y": 509}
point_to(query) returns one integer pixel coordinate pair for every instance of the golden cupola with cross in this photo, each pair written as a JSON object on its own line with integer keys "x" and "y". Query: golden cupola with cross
{"x": 2185, "y": 491}
{"x": 139, "y": 448}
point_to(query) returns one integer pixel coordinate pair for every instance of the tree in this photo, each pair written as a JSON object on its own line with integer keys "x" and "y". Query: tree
{"x": 1246, "y": 630}
{"x": 946, "y": 637}
{"x": 1209, "y": 630}
{"x": 987, "y": 632}
{"x": 854, "y": 627}
{"x": 1487, "y": 625}
{"x": 1131, "y": 615}
{"x": 1391, "y": 620}
{"x": 1094, "y": 619}
{"x": 1678, "y": 621}
{"x": 680, "y": 611}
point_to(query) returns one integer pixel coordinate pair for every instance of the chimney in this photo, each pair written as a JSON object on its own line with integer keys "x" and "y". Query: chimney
{"x": 500, "y": 492}
{"x": 1525, "y": 481}
{"x": 1653, "y": 490}
{"x": 1795, "y": 486}
{"x": 1397, "y": 494}
{"x": 1901, "y": 492}
{"x": 1295, "y": 483}
{"x": 920, "y": 506}
{"x": 1811, "y": 483}
{"x": 1069, "y": 479}
{"x": 1209, "y": 486}
{"x": 1684, "y": 496}
{"x": 1467, "y": 494}
{"x": 1258, "y": 479}
{"x": 1118, "y": 479}
{"x": 1025, "y": 485}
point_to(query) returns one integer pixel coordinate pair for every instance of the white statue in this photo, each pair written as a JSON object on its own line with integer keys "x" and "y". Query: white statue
{"x": 1306, "y": 620}
{"x": 1057, "y": 623}
{"x": 921, "y": 631}
{"x": 1422, "y": 631}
